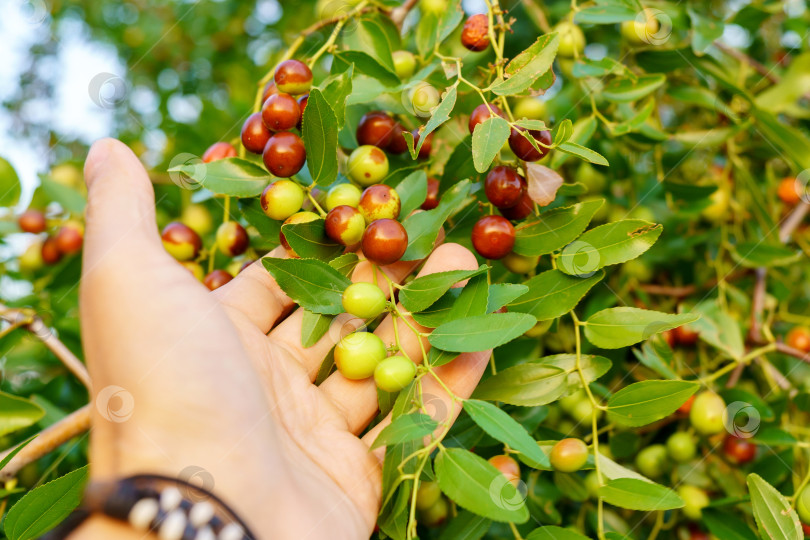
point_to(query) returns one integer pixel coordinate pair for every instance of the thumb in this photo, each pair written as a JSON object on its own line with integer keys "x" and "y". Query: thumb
{"x": 120, "y": 215}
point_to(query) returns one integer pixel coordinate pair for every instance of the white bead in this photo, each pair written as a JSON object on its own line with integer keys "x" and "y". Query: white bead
{"x": 201, "y": 513}
{"x": 173, "y": 526}
{"x": 205, "y": 534}
{"x": 142, "y": 514}
{"x": 170, "y": 498}
{"x": 231, "y": 531}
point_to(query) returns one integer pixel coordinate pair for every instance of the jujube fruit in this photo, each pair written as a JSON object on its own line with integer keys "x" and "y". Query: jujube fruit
{"x": 739, "y": 450}
{"x": 69, "y": 237}
{"x": 686, "y": 336}
{"x": 218, "y": 150}
{"x": 521, "y": 210}
{"x": 572, "y": 39}
{"x": 520, "y": 264}
{"x": 32, "y": 221}
{"x": 394, "y": 373}
{"x": 803, "y": 504}
{"x": 363, "y": 300}
{"x": 232, "y": 239}
{"x": 375, "y": 128}
{"x": 293, "y": 77}
{"x": 398, "y": 144}
{"x": 639, "y": 32}
{"x": 507, "y": 467}
{"x": 531, "y": 108}
{"x": 384, "y": 241}
{"x": 424, "y": 97}
{"x": 707, "y": 413}
{"x": 524, "y": 149}
{"x": 255, "y": 134}
{"x": 216, "y": 279}
{"x": 482, "y": 113}
{"x": 367, "y": 165}
{"x": 31, "y": 259}
{"x": 789, "y": 191}
{"x": 357, "y": 355}
{"x": 181, "y": 241}
{"x": 432, "y": 197}
{"x": 404, "y": 64}
{"x": 652, "y": 461}
{"x": 568, "y": 455}
{"x": 696, "y": 500}
{"x": 269, "y": 90}
{"x": 302, "y": 105}
{"x": 284, "y": 154}
{"x": 681, "y": 446}
{"x": 436, "y": 515}
{"x": 504, "y": 187}
{"x": 345, "y": 225}
{"x": 379, "y": 202}
{"x": 281, "y": 112}
{"x": 427, "y": 494}
{"x": 194, "y": 268}
{"x": 198, "y": 218}
{"x": 50, "y": 251}
{"x": 343, "y": 194}
{"x": 281, "y": 199}
{"x": 298, "y": 217}
{"x": 799, "y": 338}
{"x": 475, "y": 33}
{"x": 493, "y": 237}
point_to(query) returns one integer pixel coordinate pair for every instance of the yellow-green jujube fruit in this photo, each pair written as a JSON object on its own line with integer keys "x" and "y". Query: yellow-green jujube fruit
{"x": 357, "y": 355}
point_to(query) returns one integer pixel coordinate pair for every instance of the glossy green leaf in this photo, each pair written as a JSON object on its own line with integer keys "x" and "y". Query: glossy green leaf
{"x": 412, "y": 191}
{"x": 528, "y": 66}
{"x": 627, "y": 89}
{"x": 230, "y": 176}
{"x": 555, "y": 228}
{"x": 657, "y": 355}
{"x": 268, "y": 228}
{"x": 584, "y": 129}
{"x": 7, "y": 459}
{"x": 309, "y": 240}
{"x": 42, "y": 508}
{"x": 504, "y": 428}
{"x": 552, "y": 532}
{"x": 607, "y": 245}
{"x": 618, "y": 327}
{"x": 726, "y": 526}
{"x": 438, "y": 312}
{"x": 553, "y": 294}
{"x": 718, "y": 328}
{"x": 645, "y": 402}
{"x": 756, "y": 254}
{"x": 500, "y": 294}
{"x": 440, "y": 115}
{"x": 488, "y": 138}
{"x": 366, "y": 64}
{"x": 313, "y": 327}
{"x": 312, "y": 284}
{"x": 336, "y": 89}
{"x": 473, "y": 299}
{"x": 474, "y": 484}
{"x": 423, "y": 227}
{"x": 605, "y": 14}
{"x": 775, "y": 518}
{"x": 583, "y": 153}
{"x": 320, "y": 134}
{"x": 636, "y": 494}
{"x": 466, "y": 525}
{"x": 424, "y": 291}
{"x": 17, "y": 413}
{"x": 407, "y": 427}
{"x": 10, "y": 187}
{"x": 480, "y": 333}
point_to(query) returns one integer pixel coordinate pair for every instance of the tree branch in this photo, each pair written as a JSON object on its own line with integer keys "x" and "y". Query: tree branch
{"x": 48, "y": 440}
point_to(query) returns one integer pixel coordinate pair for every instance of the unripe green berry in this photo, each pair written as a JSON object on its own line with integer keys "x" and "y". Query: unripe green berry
{"x": 652, "y": 461}
{"x": 343, "y": 195}
{"x": 367, "y": 165}
{"x": 803, "y": 505}
{"x": 427, "y": 495}
{"x": 696, "y": 500}
{"x": 281, "y": 199}
{"x": 681, "y": 446}
{"x": 394, "y": 373}
{"x": 568, "y": 455}
{"x": 424, "y": 97}
{"x": 364, "y": 300}
{"x": 357, "y": 355}
{"x": 707, "y": 413}
{"x": 404, "y": 64}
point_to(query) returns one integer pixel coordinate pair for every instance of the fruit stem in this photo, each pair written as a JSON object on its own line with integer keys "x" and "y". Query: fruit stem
{"x": 794, "y": 498}
{"x": 314, "y": 202}
{"x": 515, "y": 531}
{"x": 226, "y": 215}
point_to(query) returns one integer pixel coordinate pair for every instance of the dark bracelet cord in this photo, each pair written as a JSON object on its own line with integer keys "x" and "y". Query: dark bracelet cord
{"x": 173, "y": 508}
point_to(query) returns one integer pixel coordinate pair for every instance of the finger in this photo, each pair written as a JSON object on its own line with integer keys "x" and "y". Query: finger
{"x": 254, "y": 294}
{"x": 461, "y": 376}
{"x": 357, "y": 400}
{"x": 288, "y": 333}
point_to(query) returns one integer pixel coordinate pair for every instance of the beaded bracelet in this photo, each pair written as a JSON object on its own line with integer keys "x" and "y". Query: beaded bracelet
{"x": 151, "y": 502}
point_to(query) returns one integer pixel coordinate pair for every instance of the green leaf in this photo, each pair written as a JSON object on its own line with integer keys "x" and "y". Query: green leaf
{"x": 233, "y": 176}
{"x": 488, "y": 138}
{"x": 312, "y": 284}
{"x": 423, "y": 227}
{"x": 412, "y": 191}
{"x": 608, "y": 244}
{"x": 313, "y": 327}
{"x": 366, "y": 64}
{"x": 552, "y": 532}
{"x": 6, "y": 460}
{"x": 320, "y": 134}
{"x": 528, "y": 66}
{"x": 68, "y": 197}
{"x": 437, "y": 357}
{"x": 554, "y": 229}
{"x": 407, "y": 427}
{"x": 645, "y": 402}
{"x": 439, "y": 312}
{"x": 584, "y": 129}
{"x": 606, "y": 14}
{"x": 705, "y": 30}
{"x": 424, "y": 291}
{"x": 592, "y": 366}
{"x": 345, "y": 263}
{"x": 718, "y": 328}
{"x": 268, "y": 228}
{"x": 635, "y": 494}
{"x": 775, "y": 518}
{"x": 552, "y": 294}
{"x": 10, "y": 187}
{"x": 793, "y": 142}
{"x": 17, "y": 413}
{"x": 730, "y": 395}
{"x": 309, "y": 240}
{"x": 336, "y": 89}
{"x": 627, "y": 89}
{"x": 366, "y": 35}
{"x": 618, "y": 327}
{"x": 504, "y": 428}
{"x": 42, "y": 508}
{"x": 657, "y": 355}
{"x": 756, "y": 254}
{"x": 440, "y": 115}
{"x": 500, "y": 294}
{"x": 583, "y": 153}
{"x": 480, "y": 333}
{"x": 687, "y": 192}
{"x": 459, "y": 165}
{"x": 726, "y": 526}
{"x": 473, "y": 299}
{"x": 466, "y": 525}
{"x": 474, "y": 484}
{"x": 563, "y": 131}
{"x": 586, "y": 67}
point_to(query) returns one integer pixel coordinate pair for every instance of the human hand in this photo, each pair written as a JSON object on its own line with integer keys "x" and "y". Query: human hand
{"x": 219, "y": 382}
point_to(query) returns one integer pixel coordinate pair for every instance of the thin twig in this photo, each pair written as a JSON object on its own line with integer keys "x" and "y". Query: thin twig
{"x": 398, "y": 14}
{"x": 48, "y": 440}
{"x": 790, "y": 351}
{"x": 742, "y": 57}
{"x": 792, "y": 221}
{"x": 758, "y": 306}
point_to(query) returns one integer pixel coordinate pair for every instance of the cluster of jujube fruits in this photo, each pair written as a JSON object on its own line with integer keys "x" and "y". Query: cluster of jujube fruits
{"x": 65, "y": 239}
